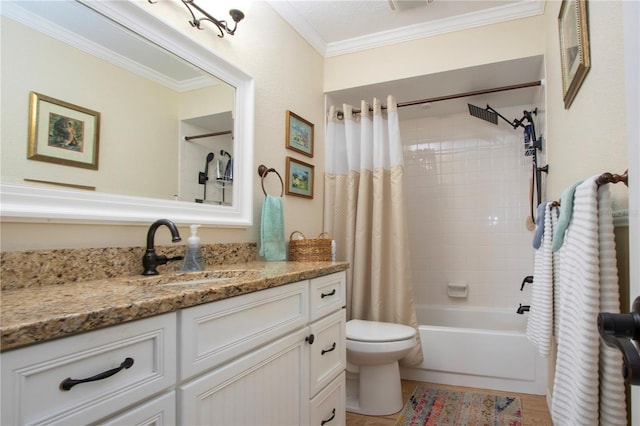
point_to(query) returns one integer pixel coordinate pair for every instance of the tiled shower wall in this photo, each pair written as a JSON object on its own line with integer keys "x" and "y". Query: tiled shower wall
{"x": 467, "y": 190}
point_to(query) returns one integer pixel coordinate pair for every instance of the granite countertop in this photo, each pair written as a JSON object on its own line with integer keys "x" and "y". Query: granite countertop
{"x": 36, "y": 314}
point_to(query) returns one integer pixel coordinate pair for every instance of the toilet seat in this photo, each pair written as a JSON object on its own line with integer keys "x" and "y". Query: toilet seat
{"x": 374, "y": 331}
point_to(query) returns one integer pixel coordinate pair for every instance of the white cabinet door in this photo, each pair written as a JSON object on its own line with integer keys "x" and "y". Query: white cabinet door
{"x": 269, "y": 386}
{"x": 160, "y": 411}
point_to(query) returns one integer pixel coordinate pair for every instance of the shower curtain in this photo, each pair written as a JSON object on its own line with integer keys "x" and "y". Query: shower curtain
{"x": 365, "y": 213}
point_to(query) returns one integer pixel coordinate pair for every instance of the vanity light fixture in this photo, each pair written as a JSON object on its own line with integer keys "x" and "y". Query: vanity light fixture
{"x": 223, "y": 26}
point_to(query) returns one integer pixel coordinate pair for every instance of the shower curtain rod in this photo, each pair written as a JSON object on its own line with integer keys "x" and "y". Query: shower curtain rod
{"x": 340, "y": 114}
{"x": 206, "y": 135}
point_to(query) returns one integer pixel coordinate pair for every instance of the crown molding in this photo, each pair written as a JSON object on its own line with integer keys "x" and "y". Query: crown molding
{"x": 412, "y": 32}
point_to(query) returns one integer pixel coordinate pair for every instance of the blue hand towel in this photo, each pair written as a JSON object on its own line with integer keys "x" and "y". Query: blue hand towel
{"x": 272, "y": 243}
{"x": 537, "y": 237}
{"x": 566, "y": 211}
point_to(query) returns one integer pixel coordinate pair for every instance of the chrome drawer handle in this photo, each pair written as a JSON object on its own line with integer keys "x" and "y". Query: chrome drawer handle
{"x": 333, "y": 416}
{"x": 331, "y": 293}
{"x": 333, "y": 348}
{"x": 68, "y": 383}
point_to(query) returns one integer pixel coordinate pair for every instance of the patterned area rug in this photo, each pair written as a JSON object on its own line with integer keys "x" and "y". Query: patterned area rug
{"x": 441, "y": 407}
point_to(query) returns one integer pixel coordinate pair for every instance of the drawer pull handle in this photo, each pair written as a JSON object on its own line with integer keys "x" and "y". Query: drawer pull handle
{"x": 68, "y": 383}
{"x": 310, "y": 338}
{"x": 333, "y": 416}
{"x": 333, "y": 348}
{"x": 331, "y": 293}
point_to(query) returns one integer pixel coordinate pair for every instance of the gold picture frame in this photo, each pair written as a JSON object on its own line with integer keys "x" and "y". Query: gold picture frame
{"x": 574, "y": 47}
{"x": 63, "y": 133}
{"x": 300, "y": 178}
{"x": 299, "y": 134}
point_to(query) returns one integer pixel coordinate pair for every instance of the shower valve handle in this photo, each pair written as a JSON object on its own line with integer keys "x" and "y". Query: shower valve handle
{"x": 528, "y": 279}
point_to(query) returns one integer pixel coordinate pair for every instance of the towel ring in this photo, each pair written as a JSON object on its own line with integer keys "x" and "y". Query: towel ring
{"x": 263, "y": 171}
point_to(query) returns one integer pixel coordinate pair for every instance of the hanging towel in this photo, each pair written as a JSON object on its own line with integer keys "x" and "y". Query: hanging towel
{"x": 537, "y": 237}
{"x": 566, "y": 210}
{"x": 540, "y": 321}
{"x": 272, "y": 243}
{"x": 588, "y": 387}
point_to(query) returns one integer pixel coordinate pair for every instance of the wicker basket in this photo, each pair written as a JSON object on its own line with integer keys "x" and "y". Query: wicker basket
{"x": 310, "y": 249}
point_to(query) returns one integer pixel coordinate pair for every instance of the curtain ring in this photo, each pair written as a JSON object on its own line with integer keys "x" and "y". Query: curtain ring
{"x": 263, "y": 171}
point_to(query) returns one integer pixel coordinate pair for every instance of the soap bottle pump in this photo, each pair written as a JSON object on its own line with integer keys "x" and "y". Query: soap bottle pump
{"x": 193, "y": 260}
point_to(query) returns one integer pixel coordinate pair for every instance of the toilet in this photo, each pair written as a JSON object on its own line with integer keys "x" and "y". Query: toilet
{"x": 373, "y": 375}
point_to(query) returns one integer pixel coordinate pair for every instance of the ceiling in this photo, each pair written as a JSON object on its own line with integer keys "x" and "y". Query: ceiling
{"x": 345, "y": 26}
{"x": 335, "y": 27}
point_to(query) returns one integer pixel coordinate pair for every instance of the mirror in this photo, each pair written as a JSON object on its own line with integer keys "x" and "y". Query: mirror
{"x": 203, "y": 121}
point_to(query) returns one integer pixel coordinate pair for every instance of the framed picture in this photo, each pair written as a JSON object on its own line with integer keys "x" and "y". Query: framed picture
{"x": 63, "y": 133}
{"x": 299, "y": 180}
{"x": 574, "y": 47}
{"x": 299, "y": 134}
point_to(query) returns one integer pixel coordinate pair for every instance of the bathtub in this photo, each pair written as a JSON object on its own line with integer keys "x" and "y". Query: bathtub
{"x": 477, "y": 347}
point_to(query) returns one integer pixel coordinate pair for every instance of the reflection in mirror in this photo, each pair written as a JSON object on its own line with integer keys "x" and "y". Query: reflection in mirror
{"x": 142, "y": 92}
{"x": 167, "y": 129}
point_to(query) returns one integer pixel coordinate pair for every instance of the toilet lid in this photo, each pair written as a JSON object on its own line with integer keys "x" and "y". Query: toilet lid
{"x": 373, "y": 331}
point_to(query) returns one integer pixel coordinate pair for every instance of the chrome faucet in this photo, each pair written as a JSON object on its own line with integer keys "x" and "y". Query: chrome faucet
{"x": 151, "y": 260}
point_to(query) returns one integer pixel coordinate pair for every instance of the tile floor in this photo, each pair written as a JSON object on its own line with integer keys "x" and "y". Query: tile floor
{"x": 534, "y": 407}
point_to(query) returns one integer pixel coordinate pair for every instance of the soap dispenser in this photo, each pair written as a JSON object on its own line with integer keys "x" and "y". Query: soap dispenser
{"x": 193, "y": 260}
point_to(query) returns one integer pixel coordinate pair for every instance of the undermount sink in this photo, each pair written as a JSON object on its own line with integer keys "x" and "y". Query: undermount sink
{"x": 193, "y": 278}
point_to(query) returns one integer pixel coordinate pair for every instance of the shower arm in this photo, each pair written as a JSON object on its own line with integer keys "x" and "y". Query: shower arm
{"x": 515, "y": 123}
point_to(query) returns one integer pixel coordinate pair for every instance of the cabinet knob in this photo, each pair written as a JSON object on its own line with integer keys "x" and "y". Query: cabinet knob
{"x": 310, "y": 338}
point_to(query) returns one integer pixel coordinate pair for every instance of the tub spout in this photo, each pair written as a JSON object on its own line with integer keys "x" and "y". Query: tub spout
{"x": 522, "y": 309}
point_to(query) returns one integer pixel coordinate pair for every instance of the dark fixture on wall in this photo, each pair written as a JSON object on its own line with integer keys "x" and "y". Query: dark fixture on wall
{"x": 622, "y": 331}
{"x": 527, "y": 280}
{"x": 223, "y": 26}
{"x": 531, "y": 142}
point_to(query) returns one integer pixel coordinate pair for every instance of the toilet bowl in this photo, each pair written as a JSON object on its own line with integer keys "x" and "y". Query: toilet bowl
{"x": 373, "y": 375}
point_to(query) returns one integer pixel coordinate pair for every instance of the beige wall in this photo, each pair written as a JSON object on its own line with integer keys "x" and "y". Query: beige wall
{"x": 288, "y": 74}
{"x": 590, "y": 137}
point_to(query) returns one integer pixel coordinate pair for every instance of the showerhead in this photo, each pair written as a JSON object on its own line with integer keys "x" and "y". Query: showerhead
{"x": 486, "y": 114}
{"x": 210, "y": 157}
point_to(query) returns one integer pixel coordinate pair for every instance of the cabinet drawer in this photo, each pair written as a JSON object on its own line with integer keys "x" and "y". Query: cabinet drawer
{"x": 32, "y": 377}
{"x": 328, "y": 407}
{"x": 328, "y": 353}
{"x": 328, "y": 294}
{"x": 216, "y": 332}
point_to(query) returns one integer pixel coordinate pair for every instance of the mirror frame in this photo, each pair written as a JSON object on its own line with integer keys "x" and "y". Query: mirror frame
{"x": 26, "y": 203}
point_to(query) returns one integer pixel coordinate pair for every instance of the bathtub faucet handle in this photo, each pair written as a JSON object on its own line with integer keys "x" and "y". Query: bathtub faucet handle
{"x": 528, "y": 279}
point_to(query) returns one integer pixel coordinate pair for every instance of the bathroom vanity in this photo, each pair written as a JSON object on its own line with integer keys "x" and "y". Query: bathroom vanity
{"x": 267, "y": 347}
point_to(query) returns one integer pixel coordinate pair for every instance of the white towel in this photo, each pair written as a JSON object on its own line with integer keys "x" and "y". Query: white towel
{"x": 588, "y": 387}
{"x": 540, "y": 321}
